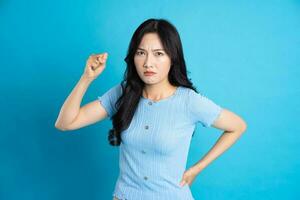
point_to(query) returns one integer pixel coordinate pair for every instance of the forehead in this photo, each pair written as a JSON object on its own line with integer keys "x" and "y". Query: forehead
{"x": 150, "y": 40}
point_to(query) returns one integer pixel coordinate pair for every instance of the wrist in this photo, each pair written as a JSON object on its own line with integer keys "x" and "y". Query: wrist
{"x": 199, "y": 167}
{"x": 86, "y": 79}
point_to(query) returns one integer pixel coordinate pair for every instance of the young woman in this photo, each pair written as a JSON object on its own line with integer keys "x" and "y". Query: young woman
{"x": 154, "y": 111}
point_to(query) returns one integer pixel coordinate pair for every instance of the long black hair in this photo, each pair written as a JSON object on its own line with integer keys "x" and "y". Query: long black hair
{"x": 132, "y": 85}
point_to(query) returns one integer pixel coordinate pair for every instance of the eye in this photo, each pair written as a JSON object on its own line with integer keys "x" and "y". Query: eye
{"x": 139, "y": 53}
{"x": 159, "y": 53}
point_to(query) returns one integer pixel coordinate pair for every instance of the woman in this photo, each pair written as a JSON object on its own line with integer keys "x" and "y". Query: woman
{"x": 154, "y": 111}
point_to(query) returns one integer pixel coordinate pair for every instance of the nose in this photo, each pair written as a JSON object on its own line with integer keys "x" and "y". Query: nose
{"x": 148, "y": 61}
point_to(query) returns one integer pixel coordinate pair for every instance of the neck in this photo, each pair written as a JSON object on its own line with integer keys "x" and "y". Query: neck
{"x": 158, "y": 91}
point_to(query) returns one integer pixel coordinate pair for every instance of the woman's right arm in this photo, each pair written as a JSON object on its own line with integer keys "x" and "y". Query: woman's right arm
{"x": 71, "y": 115}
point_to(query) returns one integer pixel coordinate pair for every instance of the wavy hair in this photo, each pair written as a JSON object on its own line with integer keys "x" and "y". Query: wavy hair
{"x": 132, "y": 85}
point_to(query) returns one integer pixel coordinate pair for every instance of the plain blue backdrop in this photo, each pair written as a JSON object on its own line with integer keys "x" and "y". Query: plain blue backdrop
{"x": 244, "y": 55}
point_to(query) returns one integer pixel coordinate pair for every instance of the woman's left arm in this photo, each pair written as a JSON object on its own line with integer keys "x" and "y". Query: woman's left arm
{"x": 233, "y": 127}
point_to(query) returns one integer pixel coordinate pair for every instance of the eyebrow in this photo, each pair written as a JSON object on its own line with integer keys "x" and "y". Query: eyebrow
{"x": 153, "y": 49}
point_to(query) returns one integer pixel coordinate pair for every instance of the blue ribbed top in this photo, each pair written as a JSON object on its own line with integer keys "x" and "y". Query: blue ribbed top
{"x": 154, "y": 148}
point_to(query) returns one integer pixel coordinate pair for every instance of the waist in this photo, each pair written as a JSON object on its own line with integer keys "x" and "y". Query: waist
{"x": 149, "y": 191}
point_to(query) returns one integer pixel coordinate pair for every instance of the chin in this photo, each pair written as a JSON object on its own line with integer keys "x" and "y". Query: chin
{"x": 150, "y": 82}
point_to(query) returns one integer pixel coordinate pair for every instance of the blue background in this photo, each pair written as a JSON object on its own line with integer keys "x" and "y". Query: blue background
{"x": 244, "y": 55}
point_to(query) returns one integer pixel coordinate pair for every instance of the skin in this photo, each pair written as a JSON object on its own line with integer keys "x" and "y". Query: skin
{"x": 72, "y": 116}
{"x": 233, "y": 127}
{"x": 150, "y": 55}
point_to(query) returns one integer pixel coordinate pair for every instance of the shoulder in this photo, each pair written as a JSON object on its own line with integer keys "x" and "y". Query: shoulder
{"x": 112, "y": 94}
{"x": 201, "y": 108}
{"x": 188, "y": 92}
{"x": 116, "y": 89}
{"x": 187, "y": 96}
{"x": 196, "y": 99}
{"x": 184, "y": 90}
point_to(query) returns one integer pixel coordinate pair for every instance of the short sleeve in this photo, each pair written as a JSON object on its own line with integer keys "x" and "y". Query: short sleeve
{"x": 202, "y": 109}
{"x": 109, "y": 99}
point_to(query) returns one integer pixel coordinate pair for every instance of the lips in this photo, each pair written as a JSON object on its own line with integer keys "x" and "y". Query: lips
{"x": 149, "y": 73}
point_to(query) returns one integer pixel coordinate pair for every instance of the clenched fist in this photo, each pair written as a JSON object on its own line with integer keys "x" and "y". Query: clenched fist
{"x": 95, "y": 65}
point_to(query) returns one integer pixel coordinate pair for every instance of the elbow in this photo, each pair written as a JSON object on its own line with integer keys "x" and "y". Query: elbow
{"x": 60, "y": 127}
{"x": 243, "y": 126}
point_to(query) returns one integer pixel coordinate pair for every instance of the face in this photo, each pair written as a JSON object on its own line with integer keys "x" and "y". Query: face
{"x": 150, "y": 56}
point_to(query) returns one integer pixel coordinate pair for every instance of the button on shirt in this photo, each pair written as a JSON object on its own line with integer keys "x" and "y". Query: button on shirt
{"x": 154, "y": 148}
